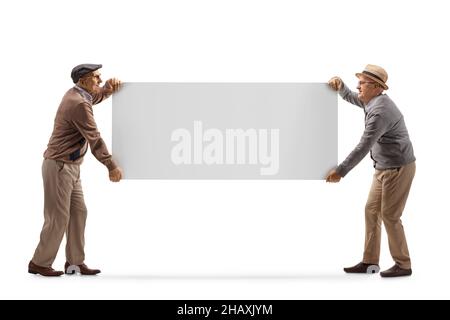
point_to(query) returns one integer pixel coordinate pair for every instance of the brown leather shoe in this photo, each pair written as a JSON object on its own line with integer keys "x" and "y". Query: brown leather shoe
{"x": 81, "y": 268}
{"x": 396, "y": 271}
{"x": 43, "y": 271}
{"x": 363, "y": 268}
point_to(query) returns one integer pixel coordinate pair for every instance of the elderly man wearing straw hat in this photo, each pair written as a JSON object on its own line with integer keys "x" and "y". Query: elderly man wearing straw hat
{"x": 386, "y": 138}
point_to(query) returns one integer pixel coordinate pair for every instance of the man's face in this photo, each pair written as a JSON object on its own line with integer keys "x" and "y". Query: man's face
{"x": 92, "y": 81}
{"x": 367, "y": 89}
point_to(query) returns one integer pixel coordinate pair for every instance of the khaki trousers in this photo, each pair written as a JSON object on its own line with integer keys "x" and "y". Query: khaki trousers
{"x": 64, "y": 212}
{"x": 386, "y": 201}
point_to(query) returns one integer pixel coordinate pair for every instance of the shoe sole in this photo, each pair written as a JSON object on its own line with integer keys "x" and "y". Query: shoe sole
{"x": 44, "y": 275}
{"x": 396, "y": 275}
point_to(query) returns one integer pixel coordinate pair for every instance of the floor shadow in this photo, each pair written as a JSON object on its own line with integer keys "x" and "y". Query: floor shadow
{"x": 221, "y": 277}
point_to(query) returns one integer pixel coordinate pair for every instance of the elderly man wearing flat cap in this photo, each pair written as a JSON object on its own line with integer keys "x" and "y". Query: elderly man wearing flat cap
{"x": 64, "y": 208}
{"x": 387, "y": 139}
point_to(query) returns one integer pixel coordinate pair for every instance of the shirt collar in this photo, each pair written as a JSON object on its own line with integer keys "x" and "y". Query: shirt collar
{"x": 86, "y": 95}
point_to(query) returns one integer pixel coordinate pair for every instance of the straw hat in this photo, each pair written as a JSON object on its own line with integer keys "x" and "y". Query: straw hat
{"x": 376, "y": 73}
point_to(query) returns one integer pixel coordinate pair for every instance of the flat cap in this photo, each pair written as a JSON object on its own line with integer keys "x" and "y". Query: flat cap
{"x": 82, "y": 70}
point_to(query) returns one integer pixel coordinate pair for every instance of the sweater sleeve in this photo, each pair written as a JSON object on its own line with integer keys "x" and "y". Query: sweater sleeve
{"x": 104, "y": 93}
{"x": 84, "y": 121}
{"x": 376, "y": 126}
{"x": 350, "y": 96}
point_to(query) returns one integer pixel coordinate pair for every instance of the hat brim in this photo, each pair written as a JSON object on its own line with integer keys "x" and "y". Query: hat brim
{"x": 384, "y": 85}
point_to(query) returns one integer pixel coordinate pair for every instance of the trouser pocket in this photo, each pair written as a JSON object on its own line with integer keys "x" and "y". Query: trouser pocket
{"x": 59, "y": 165}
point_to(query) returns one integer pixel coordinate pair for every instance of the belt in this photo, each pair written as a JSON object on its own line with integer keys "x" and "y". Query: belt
{"x": 393, "y": 168}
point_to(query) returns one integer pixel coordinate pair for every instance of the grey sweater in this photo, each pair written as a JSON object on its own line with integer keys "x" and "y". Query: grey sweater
{"x": 385, "y": 134}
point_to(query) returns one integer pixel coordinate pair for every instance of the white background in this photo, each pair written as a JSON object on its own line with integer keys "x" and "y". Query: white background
{"x": 224, "y": 239}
